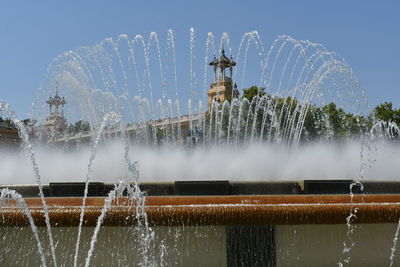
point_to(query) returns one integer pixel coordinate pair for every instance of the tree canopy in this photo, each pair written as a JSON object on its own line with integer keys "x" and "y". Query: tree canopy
{"x": 79, "y": 127}
{"x": 328, "y": 121}
{"x": 253, "y": 91}
{"x": 386, "y": 112}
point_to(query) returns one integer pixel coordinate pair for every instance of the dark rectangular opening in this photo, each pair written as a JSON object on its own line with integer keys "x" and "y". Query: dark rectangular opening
{"x": 252, "y": 245}
{"x": 202, "y": 188}
{"x": 75, "y": 189}
{"x": 319, "y": 187}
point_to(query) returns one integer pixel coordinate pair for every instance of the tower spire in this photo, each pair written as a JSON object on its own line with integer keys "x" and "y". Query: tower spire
{"x": 56, "y": 101}
{"x": 56, "y": 123}
{"x": 222, "y": 62}
{"x": 222, "y": 88}
{"x": 57, "y": 88}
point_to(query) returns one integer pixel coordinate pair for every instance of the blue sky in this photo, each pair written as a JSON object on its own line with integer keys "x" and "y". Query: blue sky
{"x": 365, "y": 33}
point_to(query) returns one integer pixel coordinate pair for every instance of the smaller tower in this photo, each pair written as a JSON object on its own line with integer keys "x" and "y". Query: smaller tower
{"x": 222, "y": 89}
{"x": 56, "y": 124}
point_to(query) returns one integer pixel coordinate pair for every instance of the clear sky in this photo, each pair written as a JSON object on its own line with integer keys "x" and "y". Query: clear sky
{"x": 366, "y": 33}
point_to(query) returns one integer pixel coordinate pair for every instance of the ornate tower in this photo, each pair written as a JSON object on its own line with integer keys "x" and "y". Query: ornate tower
{"x": 222, "y": 88}
{"x": 56, "y": 123}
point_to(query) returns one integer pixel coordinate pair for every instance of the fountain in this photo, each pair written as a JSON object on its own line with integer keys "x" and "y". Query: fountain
{"x": 125, "y": 104}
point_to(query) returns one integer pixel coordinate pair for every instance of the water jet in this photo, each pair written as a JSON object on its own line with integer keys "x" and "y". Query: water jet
{"x": 109, "y": 91}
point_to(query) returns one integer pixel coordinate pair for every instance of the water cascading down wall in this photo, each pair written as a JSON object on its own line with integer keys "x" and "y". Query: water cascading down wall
{"x": 213, "y": 223}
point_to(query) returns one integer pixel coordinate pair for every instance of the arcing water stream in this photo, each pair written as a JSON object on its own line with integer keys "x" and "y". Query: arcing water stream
{"x": 121, "y": 75}
{"x": 129, "y": 91}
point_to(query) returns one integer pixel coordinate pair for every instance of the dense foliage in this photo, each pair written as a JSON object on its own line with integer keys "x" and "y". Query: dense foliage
{"x": 8, "y": 123}
{"x": 79, "y": 127}
{"x": 329, "y": 121}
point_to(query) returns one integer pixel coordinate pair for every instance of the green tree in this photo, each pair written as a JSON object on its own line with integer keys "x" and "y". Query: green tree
{"x": 253, "y": 91}
{"x": 314, "y": 126}
{"x": 336, "y": 117}
{"x": 386, "y": 112}
{"x": 79, "y": 127}
{"x": 7, "y": 123}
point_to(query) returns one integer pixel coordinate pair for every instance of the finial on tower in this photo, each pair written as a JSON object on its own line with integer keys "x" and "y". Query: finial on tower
{"x": 222, "y": 62}
{"x": 56, "y": 88}
{"x": 56, "y": 101}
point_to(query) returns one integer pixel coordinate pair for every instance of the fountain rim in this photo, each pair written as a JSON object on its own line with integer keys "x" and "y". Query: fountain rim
{"x": 212, "y": 210}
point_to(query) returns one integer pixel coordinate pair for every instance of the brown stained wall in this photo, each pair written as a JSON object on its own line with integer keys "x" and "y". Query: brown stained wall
{"x": 215, "y": 210}
{"x": 9, "y": 137}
